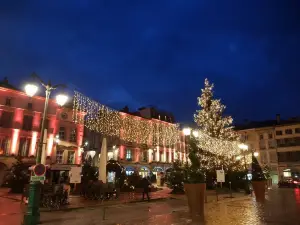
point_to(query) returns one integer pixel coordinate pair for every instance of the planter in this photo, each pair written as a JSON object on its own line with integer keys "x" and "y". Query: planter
{"x": 195, "y": 194}
{"x": 259, "y": 188}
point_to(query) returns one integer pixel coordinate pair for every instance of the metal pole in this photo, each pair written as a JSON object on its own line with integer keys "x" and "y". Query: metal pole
{"x": 32, "y": 215}
{"x": 39, "y": 152}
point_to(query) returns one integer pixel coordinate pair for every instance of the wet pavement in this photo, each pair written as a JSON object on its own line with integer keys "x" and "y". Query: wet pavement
{"x": 282, "y": 206}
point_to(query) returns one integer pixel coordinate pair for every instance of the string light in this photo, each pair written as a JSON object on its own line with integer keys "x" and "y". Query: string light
{"x": 100, "y": 118}
{"x": 217, "y": 146}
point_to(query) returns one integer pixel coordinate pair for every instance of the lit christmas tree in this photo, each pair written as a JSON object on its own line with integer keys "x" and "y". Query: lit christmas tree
{"x": 217, "y": 141}
{"x": 210, "y": 117}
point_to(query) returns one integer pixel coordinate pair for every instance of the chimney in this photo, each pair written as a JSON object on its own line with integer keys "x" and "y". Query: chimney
{"x": 278, "y": 118}
{"x": 5, "y": 80}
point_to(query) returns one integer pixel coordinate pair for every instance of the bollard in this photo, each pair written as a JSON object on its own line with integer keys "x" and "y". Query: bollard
{"x": 104, "y": 211}
{"x": 217, "y": 194}
{"x": 230, "y": 189}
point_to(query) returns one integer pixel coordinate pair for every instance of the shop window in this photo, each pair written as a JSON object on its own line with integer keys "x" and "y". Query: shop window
{"x": 24, "y": 147}
{"x": 4, "y": 150}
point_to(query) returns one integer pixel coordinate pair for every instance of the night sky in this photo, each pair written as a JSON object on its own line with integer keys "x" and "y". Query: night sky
{"x": 148, "y": 52}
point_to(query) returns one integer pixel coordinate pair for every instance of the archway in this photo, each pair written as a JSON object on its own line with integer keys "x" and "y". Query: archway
{"x": 129, "y": 170}
{"x": 3, "y": 172}
{"x": 144, "y": 171}
{"x": 157, "y": 170}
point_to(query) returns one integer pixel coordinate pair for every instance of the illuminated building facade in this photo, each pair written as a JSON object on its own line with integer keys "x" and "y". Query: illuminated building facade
{"x": 146, "y": 159}
{"x": 20, "y": 124}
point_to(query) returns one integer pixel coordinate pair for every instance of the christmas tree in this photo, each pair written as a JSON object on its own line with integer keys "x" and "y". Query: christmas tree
{"x": 257, "y": 172}
{"x": 210, "y": 118}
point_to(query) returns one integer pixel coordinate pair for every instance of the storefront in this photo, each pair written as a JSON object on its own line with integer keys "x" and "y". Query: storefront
{"x": 144, "y": 171}
{"x": 129, "y": 170}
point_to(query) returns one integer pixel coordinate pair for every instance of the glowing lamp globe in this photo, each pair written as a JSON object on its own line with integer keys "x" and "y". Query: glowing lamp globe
{"x": 243, "y": 146}
{"x": 255, "y": 154}
{"x": 187, "y": 131}
{"x": 31, "y": 89}
{"x": 195, "y": 133}
{"x": 61, "y": 99}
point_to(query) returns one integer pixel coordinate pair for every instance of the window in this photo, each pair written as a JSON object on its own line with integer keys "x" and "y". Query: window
{"x": 261, "y": 137}
{"x": 128, "y": 155}
{"x": 61, "y": 133}
{"x": 297, "y": 130}
{"x": 288, "y": 131}
{"x": 278, "y": 132}
{"x": 6, "y": 119}
{"x": 59, "y": 156}
{"x": 73, "y": 135}
{"x": 71, "y": 157}
{"x": 27, "y": 122}
{"x": 29, "y": 106}
{"x": 24, "y": 147}
{"x": 4, "y": 150}
{"x": 8, "y": 101}
{"x": 270, "y": 136}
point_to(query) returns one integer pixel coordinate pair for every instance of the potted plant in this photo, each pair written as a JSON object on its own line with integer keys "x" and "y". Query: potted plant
{"x": 258, "y": 180}
{"x": 194, "y": 183}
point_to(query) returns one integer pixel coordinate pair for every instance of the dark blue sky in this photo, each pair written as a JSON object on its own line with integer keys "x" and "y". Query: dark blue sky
{"x": 140, "y": 52}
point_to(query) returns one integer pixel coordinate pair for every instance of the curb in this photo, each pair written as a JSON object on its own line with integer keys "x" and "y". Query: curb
{"x": 101, "y": 205}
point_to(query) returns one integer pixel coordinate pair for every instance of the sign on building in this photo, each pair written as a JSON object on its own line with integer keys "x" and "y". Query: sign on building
{"x": 220, "y": 176}
{"x": 75, "y": 175}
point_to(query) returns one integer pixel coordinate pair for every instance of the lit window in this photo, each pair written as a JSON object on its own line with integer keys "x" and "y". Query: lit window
{"x": 59, "y": 156}
{"x": 128, "y": 155}
{"x": 71, "y": 157}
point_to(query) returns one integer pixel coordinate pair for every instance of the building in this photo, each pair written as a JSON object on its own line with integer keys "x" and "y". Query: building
{"x": 145, "y": 159}
{"x": 20, "y": 124}
{"x": 278, "y": 144}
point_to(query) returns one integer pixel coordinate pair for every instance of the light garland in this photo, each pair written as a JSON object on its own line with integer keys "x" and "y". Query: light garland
{"x": 100, "y": 118}
{"x": 217, "y": 146}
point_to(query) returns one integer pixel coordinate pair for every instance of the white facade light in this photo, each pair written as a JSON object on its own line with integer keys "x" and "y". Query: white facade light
{"x": 187, "y": 131}
{"x": 31, "y": 89}
{"x": 61, "y": 99}
{"x": 195, "y": 133}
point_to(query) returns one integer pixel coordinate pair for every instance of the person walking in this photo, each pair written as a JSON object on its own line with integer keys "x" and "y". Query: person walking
{"x": 146, "y": 188}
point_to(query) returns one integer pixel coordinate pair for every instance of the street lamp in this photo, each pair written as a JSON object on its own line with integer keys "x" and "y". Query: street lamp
{"x": 255, "y": 154}
{"x": 32, "y": 215}
{"x": 186, "y": 131}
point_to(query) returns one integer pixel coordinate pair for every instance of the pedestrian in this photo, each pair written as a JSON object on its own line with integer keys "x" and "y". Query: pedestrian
{"x": 146, "y": 188}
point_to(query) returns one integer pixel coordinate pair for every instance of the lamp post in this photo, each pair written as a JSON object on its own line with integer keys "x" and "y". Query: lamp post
{"x": 187, "y": 133}
{"x": 245, "y": 148}
{"x": 32, "y": 215}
